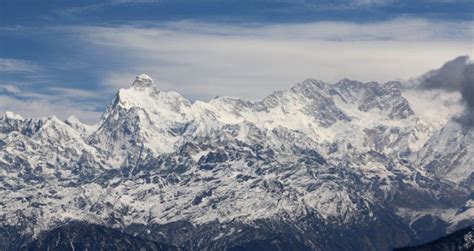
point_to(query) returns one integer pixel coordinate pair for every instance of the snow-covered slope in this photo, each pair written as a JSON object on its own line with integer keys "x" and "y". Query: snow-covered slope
{"x": 320, "y": 157}
{"x": 449, "y": 153}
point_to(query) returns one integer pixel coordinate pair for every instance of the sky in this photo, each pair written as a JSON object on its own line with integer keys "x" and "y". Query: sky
{"x": 71, "y": 57}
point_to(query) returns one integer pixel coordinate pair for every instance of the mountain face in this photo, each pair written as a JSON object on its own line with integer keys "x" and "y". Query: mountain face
{"x": 83, "y": 236}
{"x": 344, "y": 166}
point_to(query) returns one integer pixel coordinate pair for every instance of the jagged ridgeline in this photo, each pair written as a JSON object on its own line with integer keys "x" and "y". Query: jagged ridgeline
{"x": 344, "y": 166}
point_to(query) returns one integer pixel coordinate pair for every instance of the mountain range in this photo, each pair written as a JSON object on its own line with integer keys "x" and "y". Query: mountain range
{"x": 321, "y": 166}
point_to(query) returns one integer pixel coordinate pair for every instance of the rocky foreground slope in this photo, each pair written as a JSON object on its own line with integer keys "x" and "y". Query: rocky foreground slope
{"x": 344, "y": 166}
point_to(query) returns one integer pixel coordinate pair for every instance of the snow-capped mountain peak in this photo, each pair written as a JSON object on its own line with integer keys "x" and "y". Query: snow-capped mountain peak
{"x": 335, "y": 155}
{"x": 12, "y": 116}
{"x": 143, "y": 80}
{"x": 84, "y": 130}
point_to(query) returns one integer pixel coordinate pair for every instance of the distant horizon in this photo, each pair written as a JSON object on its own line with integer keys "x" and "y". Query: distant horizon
{"x": 71, "y": 57}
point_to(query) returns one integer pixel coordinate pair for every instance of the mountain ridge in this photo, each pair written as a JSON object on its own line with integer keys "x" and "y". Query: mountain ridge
{"x": 317, "y": 157}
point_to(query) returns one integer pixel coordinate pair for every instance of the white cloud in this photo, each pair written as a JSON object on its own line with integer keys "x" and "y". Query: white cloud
{"x": 16, "y": 65}
{"x": 434, "y": 106}
{"x": 204, "y": 60}
{"x": 9, "y": 89}
{"x": 34, "y": 108}
{"x": 61, "y": 102}
{"x": 371, "y": 2}
{"x": 74, "y": 93}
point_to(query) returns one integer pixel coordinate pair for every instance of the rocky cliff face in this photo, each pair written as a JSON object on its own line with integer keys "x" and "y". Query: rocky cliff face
{"x": 320, "y": 167}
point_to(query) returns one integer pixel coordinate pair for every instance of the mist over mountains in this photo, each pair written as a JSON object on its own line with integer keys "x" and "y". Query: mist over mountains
{"x": 454, "y": 76}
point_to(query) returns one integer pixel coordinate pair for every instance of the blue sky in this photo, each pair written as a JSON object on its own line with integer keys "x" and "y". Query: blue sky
{"x": 70, "y": 57}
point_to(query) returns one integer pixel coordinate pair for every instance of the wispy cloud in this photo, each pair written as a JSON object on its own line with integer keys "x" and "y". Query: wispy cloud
{"x": 16, "y": 65}
{"x": 81, "y": 9}
{"x": 400, "y": 29}
{"x": 9, "y": 89}
{"x": 32, "y": 90}
{"x": 61, "y": 102}
{"x": 34, "y": 108}
{"x": 203, "y": 60}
